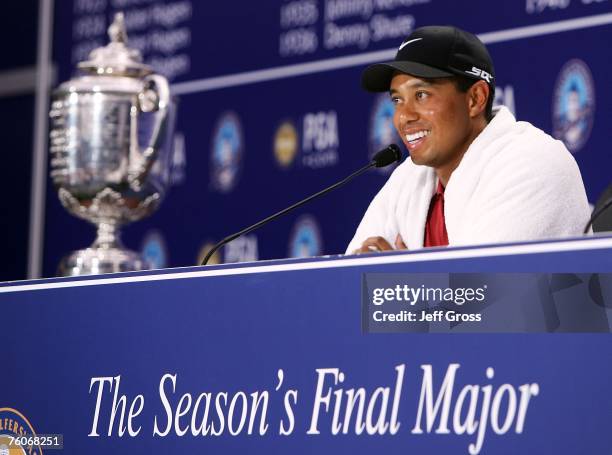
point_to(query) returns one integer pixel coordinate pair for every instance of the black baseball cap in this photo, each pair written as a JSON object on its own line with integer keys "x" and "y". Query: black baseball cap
{"x": 433, "y": 52}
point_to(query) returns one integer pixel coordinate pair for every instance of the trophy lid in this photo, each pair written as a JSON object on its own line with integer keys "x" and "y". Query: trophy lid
{"x": 116, "y": 59}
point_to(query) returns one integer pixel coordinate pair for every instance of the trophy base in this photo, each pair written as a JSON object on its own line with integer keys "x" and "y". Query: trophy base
{"x": 94, "y": 261}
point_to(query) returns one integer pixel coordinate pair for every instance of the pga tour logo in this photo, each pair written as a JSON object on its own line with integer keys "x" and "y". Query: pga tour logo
{"x": 480, "y": 73}
{"x": 227, "y": 149}
{"x": 306, "y": 238}
{"x": 382, "y": 132}
{"x": 574, "y": 105}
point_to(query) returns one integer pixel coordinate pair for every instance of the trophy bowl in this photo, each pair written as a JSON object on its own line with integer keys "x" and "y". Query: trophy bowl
{"x": 110, "y": 145}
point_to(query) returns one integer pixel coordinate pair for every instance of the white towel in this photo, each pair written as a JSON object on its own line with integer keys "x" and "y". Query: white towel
{"x": 514, "y": 183}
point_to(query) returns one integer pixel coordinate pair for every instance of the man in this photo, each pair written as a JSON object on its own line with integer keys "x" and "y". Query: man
{"x": 475, "y": 175}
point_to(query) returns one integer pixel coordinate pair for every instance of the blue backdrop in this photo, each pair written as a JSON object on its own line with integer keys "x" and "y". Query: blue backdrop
{"x": 304, "y": 122}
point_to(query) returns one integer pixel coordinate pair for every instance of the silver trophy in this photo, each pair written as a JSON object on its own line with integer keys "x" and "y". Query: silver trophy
{"x": 110, "y": 138}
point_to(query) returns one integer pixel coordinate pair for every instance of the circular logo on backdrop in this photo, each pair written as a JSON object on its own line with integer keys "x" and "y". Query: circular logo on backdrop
{"x": 305, "y": 240}
{"x": 14, "y": 424}
{"x": 573, "y": 105}
{"x": 204, "y": 249}
{"x": 154, "y": 250}
{"x": 382, "y": 131}
{"x": 226, "y": 155}
{"x": 285, "y": 143}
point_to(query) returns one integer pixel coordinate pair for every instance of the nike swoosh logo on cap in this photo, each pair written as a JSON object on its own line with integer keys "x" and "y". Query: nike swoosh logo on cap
{"x": 408, "y": 42}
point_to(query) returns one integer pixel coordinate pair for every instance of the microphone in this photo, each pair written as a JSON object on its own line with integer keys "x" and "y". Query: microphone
{"x": 596, "y": 214}
{"x": 388, "y": 155}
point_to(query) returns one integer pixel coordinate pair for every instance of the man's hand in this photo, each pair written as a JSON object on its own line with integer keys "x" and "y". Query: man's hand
{"x": 380, "y": 244}
{"x": 399, "y": 243}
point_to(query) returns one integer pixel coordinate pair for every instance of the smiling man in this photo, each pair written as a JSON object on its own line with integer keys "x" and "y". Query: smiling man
{"x": 475, "y": 175}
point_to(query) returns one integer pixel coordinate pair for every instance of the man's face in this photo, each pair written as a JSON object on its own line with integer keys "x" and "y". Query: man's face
{"x": 432, "y": 118}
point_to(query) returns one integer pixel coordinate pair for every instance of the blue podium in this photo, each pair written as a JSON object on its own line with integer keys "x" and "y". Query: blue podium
{"x": 285, "y": 357}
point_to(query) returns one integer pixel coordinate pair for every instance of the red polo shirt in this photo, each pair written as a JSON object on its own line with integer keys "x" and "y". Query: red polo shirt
{"x": 435, "y": 228}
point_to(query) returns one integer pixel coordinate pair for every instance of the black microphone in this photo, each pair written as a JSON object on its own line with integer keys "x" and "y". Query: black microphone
{"x": 596, "y": 214}
{"x": 388, "y": 155}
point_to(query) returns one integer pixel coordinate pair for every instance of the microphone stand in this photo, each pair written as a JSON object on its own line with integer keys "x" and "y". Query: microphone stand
{"x": 251, "y": 228}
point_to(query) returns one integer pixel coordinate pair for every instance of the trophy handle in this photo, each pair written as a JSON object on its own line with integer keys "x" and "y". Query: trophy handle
{"x": 157, "y": 84}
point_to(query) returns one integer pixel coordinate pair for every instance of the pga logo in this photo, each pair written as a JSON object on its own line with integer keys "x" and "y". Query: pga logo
{"x": 480, "y": 73}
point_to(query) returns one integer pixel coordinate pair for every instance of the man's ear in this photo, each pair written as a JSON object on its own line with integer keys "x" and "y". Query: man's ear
{"x": 478, "y": 94}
